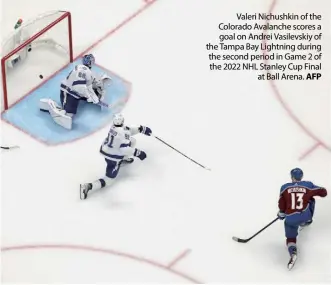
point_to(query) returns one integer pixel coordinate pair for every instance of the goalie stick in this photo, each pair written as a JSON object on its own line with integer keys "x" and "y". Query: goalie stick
{"x": 100, "y": 103}
{"x": 253, "y": 236}
{"x": 104, "y": 104}
{"x": 9, "y": 147}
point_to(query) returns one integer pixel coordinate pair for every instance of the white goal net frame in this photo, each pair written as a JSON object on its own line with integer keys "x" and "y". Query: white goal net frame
{"x": 32, "y": 34}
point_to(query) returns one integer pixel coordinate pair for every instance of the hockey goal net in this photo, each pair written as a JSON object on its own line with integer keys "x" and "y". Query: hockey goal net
{"x": 39, "y": 46}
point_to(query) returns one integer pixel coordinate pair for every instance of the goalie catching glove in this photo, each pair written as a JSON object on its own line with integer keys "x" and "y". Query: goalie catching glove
{"x": 99, "y": 86}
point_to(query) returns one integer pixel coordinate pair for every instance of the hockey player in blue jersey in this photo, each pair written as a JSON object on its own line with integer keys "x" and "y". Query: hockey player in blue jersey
{"x": 296, "y": 207}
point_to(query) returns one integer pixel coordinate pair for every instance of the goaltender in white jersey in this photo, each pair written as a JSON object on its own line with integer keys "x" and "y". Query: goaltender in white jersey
{"x": 118, "y": 148}
{"x": 80, "y": 84}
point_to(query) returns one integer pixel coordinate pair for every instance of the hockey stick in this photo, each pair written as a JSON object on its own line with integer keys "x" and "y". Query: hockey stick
{"x": 10, "y": 147}
{"x": 104, "y": 104}
{"x": 100, "y": 103}
{"x": 253, "y": 236}
{"x": 181, "y": 153}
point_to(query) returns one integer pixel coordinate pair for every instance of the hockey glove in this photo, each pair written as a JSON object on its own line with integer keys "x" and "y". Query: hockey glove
{"x": 100, "y": 93}
{"x": 140, "y": 153}
{"x": 281, "y": 215}
{"x": 145, "y": 130}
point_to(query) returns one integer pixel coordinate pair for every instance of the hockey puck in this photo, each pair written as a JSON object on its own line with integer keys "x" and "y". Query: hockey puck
{"x": 41, "y": 77}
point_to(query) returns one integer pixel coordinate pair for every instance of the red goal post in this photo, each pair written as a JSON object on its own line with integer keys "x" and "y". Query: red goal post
{"x": 42, "y": 45}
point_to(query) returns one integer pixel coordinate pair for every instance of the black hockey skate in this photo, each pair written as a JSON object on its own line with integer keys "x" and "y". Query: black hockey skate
{"x": 293, "y": 259}
{"x": 84, "y": 188}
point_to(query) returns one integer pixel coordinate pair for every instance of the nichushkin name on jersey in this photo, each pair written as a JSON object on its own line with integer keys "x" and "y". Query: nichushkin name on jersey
{"x": 284, "y": 76}
{"x": 267, "y": 16}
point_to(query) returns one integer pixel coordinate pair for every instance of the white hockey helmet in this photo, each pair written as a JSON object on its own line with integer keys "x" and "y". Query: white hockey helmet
{"x": 118, "y": 120}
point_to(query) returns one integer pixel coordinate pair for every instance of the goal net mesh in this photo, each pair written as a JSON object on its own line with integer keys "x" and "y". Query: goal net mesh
{"x": 40, "y": 46}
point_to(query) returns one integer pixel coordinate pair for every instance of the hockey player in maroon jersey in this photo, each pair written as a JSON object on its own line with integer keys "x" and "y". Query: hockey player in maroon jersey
{"x": 296, "y": 205}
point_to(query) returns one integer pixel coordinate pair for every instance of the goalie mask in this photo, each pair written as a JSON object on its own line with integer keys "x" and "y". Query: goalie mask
{"x": 88, "y": 60}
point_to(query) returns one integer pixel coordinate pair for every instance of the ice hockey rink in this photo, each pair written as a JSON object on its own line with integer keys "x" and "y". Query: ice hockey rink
{"x": 167, "y": 220}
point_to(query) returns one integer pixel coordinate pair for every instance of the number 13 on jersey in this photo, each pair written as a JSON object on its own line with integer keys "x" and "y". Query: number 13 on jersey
{"x": 297, "y": 201}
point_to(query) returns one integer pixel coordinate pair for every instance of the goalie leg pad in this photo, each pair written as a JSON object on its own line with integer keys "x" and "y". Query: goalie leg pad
{"x": 59, "y": 116}
{"x": 45, "y": 104}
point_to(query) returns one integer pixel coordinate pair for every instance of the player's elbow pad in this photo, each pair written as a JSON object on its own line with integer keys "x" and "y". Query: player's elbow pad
{"x": 324, "y": 193}
{"x": 281, "y": 205}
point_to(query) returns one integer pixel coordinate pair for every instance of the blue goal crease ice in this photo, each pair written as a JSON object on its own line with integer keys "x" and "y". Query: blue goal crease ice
{"x": 25, "y": 114}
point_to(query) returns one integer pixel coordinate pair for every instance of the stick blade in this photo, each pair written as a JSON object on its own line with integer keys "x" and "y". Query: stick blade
{"x": 239, "y": 240}
{"x": 15, "y": 146}
{"x": 10, "y": 147}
